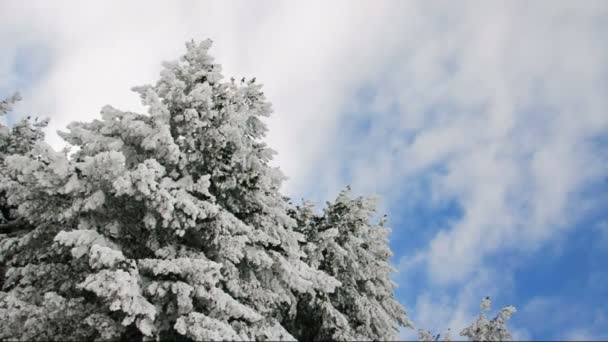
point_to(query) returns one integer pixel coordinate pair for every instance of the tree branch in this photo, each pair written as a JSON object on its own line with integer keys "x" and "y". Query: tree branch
{"x": 14, "y": 226}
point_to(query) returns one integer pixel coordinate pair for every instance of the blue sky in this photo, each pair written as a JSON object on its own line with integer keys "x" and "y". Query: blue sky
{"x": 482, "y": 126}
{"x": 558, "y": 285}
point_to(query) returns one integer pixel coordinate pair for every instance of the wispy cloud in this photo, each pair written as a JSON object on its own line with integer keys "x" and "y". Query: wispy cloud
{"x": 501, "y": 106}
{"x": 502, "y": 110}
{"x": 565, "y": 318}
{"x": 310, "y": 56}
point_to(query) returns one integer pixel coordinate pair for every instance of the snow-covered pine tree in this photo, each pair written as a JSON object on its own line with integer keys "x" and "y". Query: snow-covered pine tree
{"x": 24, "y": 250}
{"x": 161, "y": 225}
{"x": 494, "y": 329}
{"x": 348, "y": 244}
{"x": 483, "y": 329}
{"x": 18, "y": 139}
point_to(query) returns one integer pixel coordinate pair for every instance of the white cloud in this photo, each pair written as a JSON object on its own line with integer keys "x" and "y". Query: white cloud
{"x": 310, "y": 56}
{"x": 438, "y": 309}
{"x": 565, "y": 319}
{"x": 505, "y": 100}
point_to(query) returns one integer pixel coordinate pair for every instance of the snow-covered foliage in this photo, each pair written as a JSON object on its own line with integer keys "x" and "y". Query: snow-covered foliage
{"x": 171, "y": 225}
{"x": 483, "y": 329}
{"x": 495, "y": 329}
{"x": 346, "y": 243}
{"x": 18, "y": 139}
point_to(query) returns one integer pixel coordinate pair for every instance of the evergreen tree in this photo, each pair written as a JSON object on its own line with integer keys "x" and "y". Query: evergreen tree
{"x": 483, "y": 329}
{"x": 16, "y": 140}
{"x": 495, "y": 329}
{"x": 347, "y": 244}
{"x": 164, "y": 225}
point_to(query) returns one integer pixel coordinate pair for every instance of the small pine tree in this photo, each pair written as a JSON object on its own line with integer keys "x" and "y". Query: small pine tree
{"x": 348, "y": 245}
{"x": 482, "y": 329}
{"x": 494, "y": 329}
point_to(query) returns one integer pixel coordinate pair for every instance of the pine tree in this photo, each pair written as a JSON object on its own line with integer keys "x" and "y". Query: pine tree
{"x": 494, "y": 329}
{"x": 482, "y": 329}
{"x": 16, "y": 140}
{"x": 346, "y": 243}
{"x": 161, "y": 225}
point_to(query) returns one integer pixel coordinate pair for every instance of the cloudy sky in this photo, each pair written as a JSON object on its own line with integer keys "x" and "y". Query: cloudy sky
{"x": 482, "y": 125}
